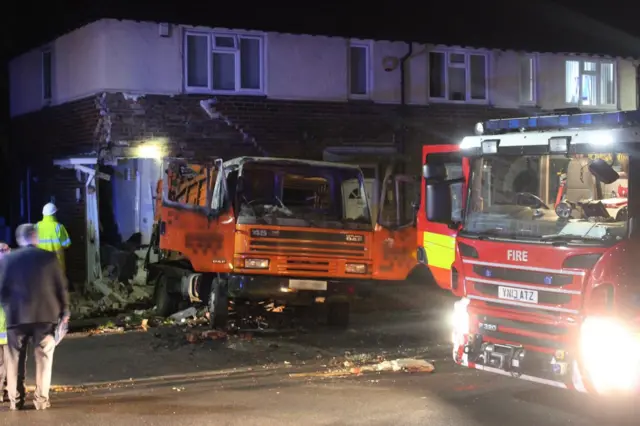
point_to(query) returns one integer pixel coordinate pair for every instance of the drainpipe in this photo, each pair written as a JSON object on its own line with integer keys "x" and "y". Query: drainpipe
{"x": 637, "y": 86}
{"x": 403, "y": 98}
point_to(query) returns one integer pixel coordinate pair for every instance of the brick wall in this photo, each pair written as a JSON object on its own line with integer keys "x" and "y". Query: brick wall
{"x": 240, "y": 125}
{"x": 36, "y": 140}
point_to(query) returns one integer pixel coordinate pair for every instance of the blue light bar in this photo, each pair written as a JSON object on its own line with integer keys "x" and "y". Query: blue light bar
{"x": 564, "y": 121}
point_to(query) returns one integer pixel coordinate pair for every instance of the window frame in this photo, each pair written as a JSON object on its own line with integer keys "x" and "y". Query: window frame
{"x": 211, "y": 48}
{"x": 46, "y": 99}
{"x": 598, "y": 73}
{"x": 533, "y": 58}
{"x": 367, "y": 46}
{"x": 466, "y": 66}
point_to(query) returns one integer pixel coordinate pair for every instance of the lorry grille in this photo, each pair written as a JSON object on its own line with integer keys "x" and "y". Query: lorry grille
{"x": 307, "y": 243}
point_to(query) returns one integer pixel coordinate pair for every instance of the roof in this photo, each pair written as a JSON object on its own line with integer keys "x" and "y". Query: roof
{"x": 540, "y": 26}
{"x": 288, "y": 161}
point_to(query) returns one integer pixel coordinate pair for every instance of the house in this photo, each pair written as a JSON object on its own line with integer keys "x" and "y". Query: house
{"x": 114, "y": 90}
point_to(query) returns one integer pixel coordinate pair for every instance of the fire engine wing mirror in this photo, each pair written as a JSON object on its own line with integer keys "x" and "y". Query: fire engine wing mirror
{"x": 439, "y": 203}
{"x": 603, "y": 171}
{"x": 434, "y": 172}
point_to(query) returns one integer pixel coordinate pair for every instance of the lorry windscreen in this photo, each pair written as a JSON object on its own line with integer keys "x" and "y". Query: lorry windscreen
{"x": 547, "y": 198}
{"x": 302, "y": 195}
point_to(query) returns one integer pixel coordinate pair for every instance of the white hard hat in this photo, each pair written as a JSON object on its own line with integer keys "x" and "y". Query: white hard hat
{"x": 49, "y": 209}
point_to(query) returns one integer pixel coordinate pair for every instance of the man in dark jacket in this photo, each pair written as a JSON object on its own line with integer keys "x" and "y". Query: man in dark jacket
{"x": 33, "y": 293}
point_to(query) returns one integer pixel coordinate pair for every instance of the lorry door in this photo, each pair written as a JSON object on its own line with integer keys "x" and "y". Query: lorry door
{"x": 437, "y": 240}
{"x": 394, "y": 236}
{"x": 194, "y": 219}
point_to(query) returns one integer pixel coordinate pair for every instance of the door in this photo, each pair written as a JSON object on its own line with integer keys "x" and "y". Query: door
{"x": 442, "y": 166}
{"x": 195, "y": 221}
{"x": 394, "y": 237}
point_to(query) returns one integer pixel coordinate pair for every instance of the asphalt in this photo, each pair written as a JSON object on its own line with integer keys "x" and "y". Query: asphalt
{"x": 157, "y": 378}
{"x": 450, "y": 396}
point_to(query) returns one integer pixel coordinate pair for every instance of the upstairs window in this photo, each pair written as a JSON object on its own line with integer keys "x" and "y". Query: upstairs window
{"x": 590, "y": 83}
{"x": 458, "y": 76}
{"x": 528, "y": 77}
{"x": 359, "y": 70}
{"x": 46, "y": 75}
{"x": 223, "y": 62}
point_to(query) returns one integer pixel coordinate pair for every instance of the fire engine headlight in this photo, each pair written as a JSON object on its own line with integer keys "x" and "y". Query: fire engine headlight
{"x": 460, "y": 320}
{"x": 355, "y": 268}
{"x": 610, "y": 354}
{"x": 256, "y": 263}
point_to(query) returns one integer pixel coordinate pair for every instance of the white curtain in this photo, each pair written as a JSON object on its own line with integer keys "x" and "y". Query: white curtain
{"x": 572, "y": 82}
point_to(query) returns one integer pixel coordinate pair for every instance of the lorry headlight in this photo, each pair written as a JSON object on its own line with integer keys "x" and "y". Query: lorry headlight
{"x": 610, "y": 354}
{"x": 355, "y": 268}
{"x": 256, "y": 263}
{"x": 460, "y": 319}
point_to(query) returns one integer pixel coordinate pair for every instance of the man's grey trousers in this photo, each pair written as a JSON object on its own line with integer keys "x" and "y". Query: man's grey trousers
{"x": 42, "y": 337}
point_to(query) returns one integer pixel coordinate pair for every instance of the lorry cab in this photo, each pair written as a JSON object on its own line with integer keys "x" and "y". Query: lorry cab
{"x": 258, "y": 229}
{"x": 546, "y": 253}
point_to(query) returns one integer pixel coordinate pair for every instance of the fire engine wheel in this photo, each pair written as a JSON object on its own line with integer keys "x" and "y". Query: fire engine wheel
{"x": 218, "y": 304}
{"x": 338, "y": 314}
{"x": 166, "y": 303}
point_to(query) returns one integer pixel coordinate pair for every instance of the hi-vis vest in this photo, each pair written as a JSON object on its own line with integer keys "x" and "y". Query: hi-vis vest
{"x": 52, "y": 236}
{"x": 3, "y": 328}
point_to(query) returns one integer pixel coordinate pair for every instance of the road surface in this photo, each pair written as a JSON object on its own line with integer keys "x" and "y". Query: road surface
{"x": 268, "y": 382}
{"x": 451, "y": 396}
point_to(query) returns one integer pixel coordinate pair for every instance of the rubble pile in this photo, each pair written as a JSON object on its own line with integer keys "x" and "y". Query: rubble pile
{"x": 116, "y": 290}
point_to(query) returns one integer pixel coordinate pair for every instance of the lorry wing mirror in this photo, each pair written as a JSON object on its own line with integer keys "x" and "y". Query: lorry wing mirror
{"x": 434, "y": 172}
{"x": 603, "y": 171}
{"x": 439, "y": 203}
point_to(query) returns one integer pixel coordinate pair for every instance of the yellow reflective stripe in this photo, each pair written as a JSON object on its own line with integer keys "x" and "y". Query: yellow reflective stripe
{"x": 440, "y": 249}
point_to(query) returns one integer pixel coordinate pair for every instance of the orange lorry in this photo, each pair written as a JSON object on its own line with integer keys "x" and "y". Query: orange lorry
{"x": 255, "y": 229}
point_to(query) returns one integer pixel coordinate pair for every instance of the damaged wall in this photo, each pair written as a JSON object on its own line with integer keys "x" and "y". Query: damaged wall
{"x": 229, "y": 126}
{"x": 36, "y": 140}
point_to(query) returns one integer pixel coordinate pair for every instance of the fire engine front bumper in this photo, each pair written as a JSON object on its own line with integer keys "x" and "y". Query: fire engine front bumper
{"x": 557, "y": 370}
{"x": 603, "y": 358}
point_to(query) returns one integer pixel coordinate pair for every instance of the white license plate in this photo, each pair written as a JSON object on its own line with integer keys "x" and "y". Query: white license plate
{"x": 308, "y": 285}
{"x": 517, "y": 294}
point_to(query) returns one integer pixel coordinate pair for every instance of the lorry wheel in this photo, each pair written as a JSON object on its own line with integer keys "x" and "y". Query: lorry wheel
{"x": 166, "y": 303}
{"x": 218, "y": 304}
{"x": 338, "y": 314}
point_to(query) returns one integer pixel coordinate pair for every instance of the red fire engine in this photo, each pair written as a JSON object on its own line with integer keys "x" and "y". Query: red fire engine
{"x": 546, "y": 258}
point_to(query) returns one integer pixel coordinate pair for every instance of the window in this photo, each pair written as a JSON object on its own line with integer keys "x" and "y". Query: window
{"x": 189, "y": 184}
{"x": 458, "y": 76}
{"x": 223, "y": 62}
{"x": 527, "y": 79}
{"x": 359, "y": 70}
{"x": 454, "y": 179}
{"x": 46, "y": 75}
{"x": 590, "y": 83}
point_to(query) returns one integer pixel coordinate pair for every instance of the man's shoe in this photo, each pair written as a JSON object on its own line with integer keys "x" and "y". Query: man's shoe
{"x": 42, "y": 405}
{"x": 15, "y": 407}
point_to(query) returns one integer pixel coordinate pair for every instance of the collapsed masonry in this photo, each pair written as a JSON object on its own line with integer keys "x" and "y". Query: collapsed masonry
{"x": 122, "y": 286}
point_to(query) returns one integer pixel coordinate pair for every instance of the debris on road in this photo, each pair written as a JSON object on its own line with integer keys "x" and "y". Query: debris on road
{"x": 408, "y": 365}
{"x": 199, "y": 336}
{"x": 183, "y": 316}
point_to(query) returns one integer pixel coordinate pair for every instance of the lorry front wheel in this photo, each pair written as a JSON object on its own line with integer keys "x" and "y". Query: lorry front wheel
{"x": 338, "y": 314}
{"x": 166, "y": 303}
{"x": 218, "y": 304}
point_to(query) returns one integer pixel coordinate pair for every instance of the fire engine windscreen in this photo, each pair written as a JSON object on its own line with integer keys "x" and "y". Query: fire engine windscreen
{"x": 547, "y": 197}
{"x": 289, "y": 194}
